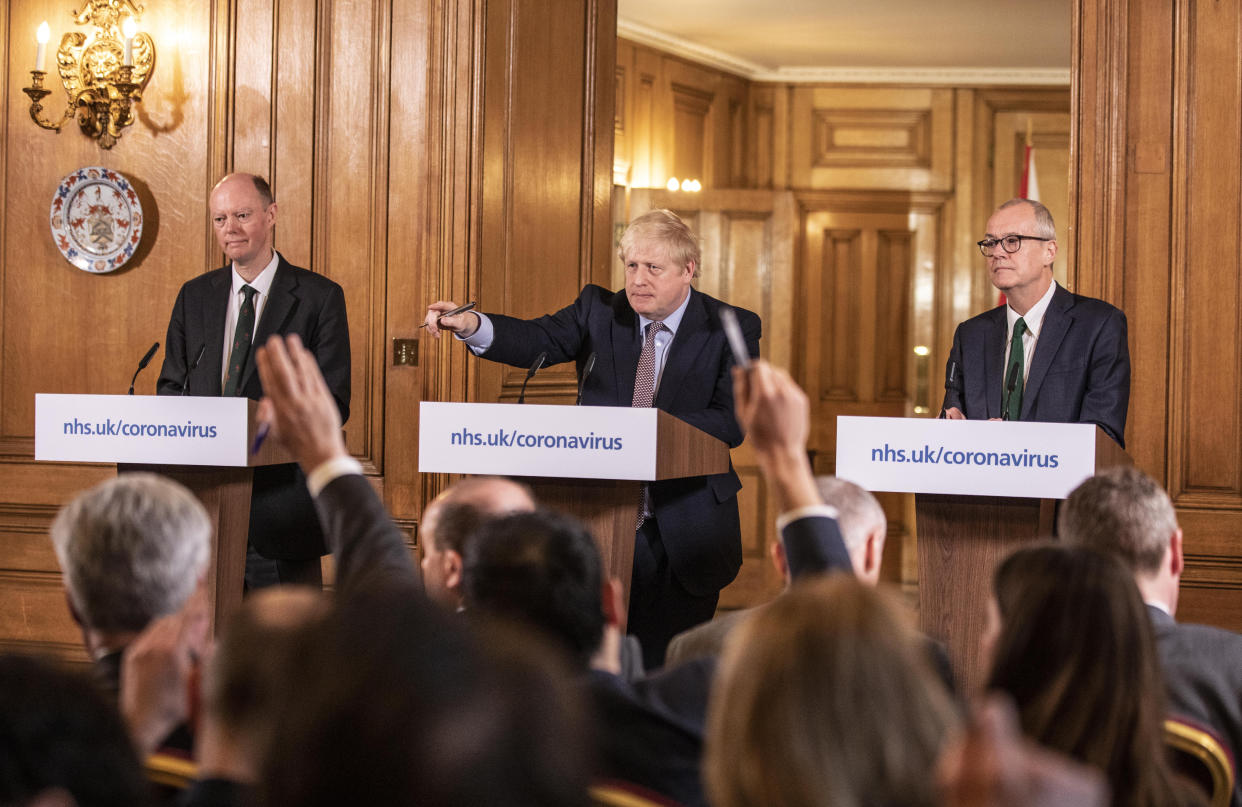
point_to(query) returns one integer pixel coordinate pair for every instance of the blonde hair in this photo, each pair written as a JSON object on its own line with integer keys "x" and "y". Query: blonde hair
{"x": 826, "y": 696}
{"x": 666, "y": 228}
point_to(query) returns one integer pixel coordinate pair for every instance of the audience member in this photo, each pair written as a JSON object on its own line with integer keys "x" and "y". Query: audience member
{"x": 826, "y": 697}
{"x": 244, "y": 686}
{"x": 61, "y": 743}
{"x": 863, "y": 525}
{"x": 398, "y": 704}
{"x": 132, "y": 549}
{"x": 454, "y": 515}
{"x": 1074, "y": 649}
{"x": 1125, "y": 513}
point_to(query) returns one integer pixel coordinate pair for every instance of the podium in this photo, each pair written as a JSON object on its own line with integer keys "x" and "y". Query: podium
{"x": 203, "y": 443}
{"x": 981, "y": 490}
{"x": 589, "y": 461}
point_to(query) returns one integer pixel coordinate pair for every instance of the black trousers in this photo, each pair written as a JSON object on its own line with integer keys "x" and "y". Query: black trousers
{"x": 660, "y": 607}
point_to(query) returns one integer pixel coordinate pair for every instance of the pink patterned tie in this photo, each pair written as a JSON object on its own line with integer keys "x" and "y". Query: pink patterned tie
{"x": 644, "y": 394}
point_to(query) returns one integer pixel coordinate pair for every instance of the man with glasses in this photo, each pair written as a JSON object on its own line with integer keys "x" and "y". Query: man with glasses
{"x": 1047, "y": 354}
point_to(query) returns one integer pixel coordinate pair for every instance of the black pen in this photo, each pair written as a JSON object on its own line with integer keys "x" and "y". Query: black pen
{"x": 461, "y": 309}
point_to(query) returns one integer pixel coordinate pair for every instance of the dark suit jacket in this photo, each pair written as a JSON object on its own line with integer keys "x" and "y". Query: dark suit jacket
{"x": 368, "y": 548}
{"x": 697, "y": 516}
{"x": 650, "y": 732}
{"x": 1203, "y": 677}
{"x": 282, "y": 517}
{"x": 1080, "y": 372}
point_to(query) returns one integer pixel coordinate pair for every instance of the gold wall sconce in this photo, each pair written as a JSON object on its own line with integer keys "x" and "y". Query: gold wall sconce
{"x": 104, "y": 73}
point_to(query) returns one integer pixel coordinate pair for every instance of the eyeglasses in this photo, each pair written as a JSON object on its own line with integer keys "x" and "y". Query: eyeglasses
{"x": 1010, "y": 243}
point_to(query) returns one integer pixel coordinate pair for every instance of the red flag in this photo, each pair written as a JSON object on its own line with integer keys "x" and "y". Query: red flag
{"x": 1029, "y": 187}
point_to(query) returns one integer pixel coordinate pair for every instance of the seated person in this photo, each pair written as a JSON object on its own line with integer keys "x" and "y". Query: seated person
{"x": 826, "y": 697}
{"x": 132, "y": 550}
{"x": 61, "y": 742}
{"x": 1070, "y": 642}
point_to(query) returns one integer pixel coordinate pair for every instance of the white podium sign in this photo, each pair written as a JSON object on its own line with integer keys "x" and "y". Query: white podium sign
{"x": 971, "y": 457}
{"x": 534, "y": 440}
{"x": 143, "y": 429}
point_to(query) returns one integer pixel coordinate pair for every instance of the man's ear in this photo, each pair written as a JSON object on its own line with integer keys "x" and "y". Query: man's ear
{"x": 452, "y": 569}
{"x": 776, "y": 551}
{"x": 1176, "y": 562}
{"x": 874, "y": 555}
{"x": 612, "y": 603}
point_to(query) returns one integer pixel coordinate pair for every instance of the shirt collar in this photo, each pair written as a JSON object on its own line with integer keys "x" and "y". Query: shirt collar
{"x": 672, "y": 321}
{"x": 263, "y": 283}
{"x": 1034, "y": 318}
{"x": 1160, "y": 606}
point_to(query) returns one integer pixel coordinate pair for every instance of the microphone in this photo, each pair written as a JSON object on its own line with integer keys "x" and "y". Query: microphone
{"x": 534, "y": 368}
{"x": 586, "y": 373}
{"x": 949, "y": 378}
{"x": 185, "y": 383}
{"x": 1010, "y": 383}
{"x": 142, "y": 365}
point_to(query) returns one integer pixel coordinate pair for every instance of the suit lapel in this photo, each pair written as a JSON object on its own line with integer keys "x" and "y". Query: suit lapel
{"x": 625, "y": 347}
{"x": 281, "y": 299}
{"x": 691, "y": 337}
{"x": 215, "y": 309}
{"x": 994, "y": 362}
{"x": 1056, "y": 323}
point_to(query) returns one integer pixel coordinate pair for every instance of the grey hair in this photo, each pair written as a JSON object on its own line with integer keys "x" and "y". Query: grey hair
{"x": 858, "y": 511}
{"x": 131, "y": 549}
{"x": 1045, "y": 227}
{"x": 1122, "y": 512}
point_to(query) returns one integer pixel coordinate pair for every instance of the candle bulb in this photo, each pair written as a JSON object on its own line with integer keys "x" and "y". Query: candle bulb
{"x": 41, "y": 53}
{"x": 129, "y": 29}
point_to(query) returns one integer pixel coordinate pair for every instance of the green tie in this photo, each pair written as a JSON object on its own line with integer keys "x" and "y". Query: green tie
{"x": 241, "y": 342}
{"x": 1013, "y": 400}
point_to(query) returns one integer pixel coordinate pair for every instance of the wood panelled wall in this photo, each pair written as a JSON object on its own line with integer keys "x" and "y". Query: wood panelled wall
{"x": 1157, "y": 161}
{"x": 418, "y": 150}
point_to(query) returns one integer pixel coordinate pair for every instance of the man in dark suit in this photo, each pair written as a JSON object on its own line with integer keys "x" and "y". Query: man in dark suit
{"x": 215, "y": 320}
{"x": 1126, "y": 513}
{"x": 688, "y": 544}
{"x": 1072, "y": 364}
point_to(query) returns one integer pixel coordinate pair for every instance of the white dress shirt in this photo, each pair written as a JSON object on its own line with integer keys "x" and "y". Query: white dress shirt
{"x": 1034, "y": 324}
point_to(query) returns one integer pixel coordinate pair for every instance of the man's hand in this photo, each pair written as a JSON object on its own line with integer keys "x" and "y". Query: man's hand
{"x": 775, "y": 414}
{"x": 953, "y": 413}
{"x": 158, "y": 673}
{"x": 992, "y": 765}
{"x": 297, "y": 405}
{"x": 464, "y": 325}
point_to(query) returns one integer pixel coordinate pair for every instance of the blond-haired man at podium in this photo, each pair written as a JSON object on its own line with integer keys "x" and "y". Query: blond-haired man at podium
{"x": 659, "y": 342}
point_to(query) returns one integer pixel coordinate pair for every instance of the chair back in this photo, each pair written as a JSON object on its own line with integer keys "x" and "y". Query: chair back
{"x": 170, "y": 772}
{"x": 1199, "y": 756}
{"x": 613, "y": 793}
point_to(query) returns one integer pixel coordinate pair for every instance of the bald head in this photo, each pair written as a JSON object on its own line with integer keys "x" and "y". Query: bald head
{"x": 243, "y": 218}
{"x": 452, "y": 517}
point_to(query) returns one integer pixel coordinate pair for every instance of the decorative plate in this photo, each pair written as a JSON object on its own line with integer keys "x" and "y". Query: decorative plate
{"x": 96, "y": 219}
